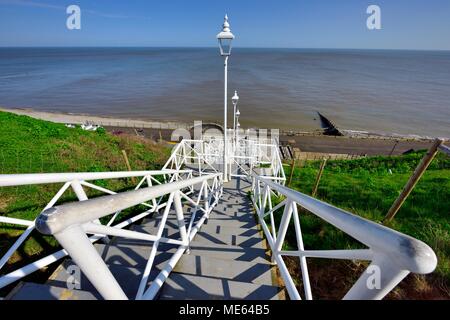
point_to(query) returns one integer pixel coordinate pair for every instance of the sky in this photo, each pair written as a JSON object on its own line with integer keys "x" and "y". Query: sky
{"x": 406, "y": 24}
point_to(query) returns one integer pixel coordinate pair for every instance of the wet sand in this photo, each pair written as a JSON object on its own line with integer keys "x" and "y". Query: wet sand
{"x": 306, "y": 142}
{"x": 354, "y": 146}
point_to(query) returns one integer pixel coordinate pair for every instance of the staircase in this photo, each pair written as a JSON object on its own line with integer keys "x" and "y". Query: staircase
{"x": 227, "y": 259}
{"x": 217, "y": 252}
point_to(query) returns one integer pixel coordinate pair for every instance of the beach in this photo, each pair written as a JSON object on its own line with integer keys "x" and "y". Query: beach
{"x": 311, "y": 142}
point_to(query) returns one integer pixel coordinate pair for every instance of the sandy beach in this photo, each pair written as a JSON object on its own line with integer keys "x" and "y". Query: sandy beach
{"x": 316, "y": 142}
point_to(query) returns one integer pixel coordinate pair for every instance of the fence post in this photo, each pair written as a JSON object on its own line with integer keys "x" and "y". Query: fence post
{"x": 413, "y": 180}
{"x": 125, "y": 157}
{"x": 319, "y": 176}
{"x": 393, "y": 148}
{"x": 292, "y": 172}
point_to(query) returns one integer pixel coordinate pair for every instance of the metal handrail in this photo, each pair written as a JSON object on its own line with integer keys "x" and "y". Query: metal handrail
{"x": 58, "y": 218}
{"x": 77, "y": 182}
{"x": 70, "y": 223}
{"x": 200, "y": 152}
{"x": 394, "y": 253}
{"x": 7, "y": 180}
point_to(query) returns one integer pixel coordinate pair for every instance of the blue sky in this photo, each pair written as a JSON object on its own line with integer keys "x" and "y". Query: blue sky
{"x": 407, "y": 24}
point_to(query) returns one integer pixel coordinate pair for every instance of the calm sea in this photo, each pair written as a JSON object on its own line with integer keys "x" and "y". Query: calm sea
{"x": 405, "y": 92}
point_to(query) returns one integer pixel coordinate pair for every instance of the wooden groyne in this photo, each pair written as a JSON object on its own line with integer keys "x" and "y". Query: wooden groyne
{"x": 329, "y": 127}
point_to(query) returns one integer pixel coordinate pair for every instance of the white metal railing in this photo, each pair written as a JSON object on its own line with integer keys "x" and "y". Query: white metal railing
{"x": 199, "y": 155}
{"x": 70, "y": 223}
{"x": 393, "y": 255}
{"x": 269, "y": 155}
{"x": 77, "y": 182}
{"x": 206, "y": 156}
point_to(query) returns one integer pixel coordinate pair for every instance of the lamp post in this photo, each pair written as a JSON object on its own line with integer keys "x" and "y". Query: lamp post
{"x": 238, "y": 125}
{"x": 225, "y": 38}
{"x": 236, "y": 115}
{"x": 235, "y": 100}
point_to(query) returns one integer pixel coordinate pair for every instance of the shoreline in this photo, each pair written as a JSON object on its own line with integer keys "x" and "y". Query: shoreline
{"x": 107, "y": 121}
{"x": 357, "y": 144}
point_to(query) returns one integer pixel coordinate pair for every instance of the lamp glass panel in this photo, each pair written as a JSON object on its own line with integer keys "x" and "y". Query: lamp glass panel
{"x": 225, "y": 46}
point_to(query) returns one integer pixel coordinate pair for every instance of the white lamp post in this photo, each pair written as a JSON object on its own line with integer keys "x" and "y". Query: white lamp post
{"x": 235, "y": 100}
{"x": 225, "y": 38}
{"x": 238, "y": 125}
{"x": 237, "y": 114}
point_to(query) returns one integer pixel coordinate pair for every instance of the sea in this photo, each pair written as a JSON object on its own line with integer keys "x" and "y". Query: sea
{"x": 379, "y": 91}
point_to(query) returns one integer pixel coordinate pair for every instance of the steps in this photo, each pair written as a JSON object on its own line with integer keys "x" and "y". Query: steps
{"x": 35, "y": 291}
{"x": 186, "y": 287}
{"x": 127, "y": 277}
{"x": 227, "y": 259}
{"x": 230, "y": 240}
{"x": 227, "y": 252}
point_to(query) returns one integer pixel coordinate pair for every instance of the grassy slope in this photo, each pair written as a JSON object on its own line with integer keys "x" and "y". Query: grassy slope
{"x": 361, "y": 186}
{"x": 28, "y": 145}
{"x": 367, "y": 188}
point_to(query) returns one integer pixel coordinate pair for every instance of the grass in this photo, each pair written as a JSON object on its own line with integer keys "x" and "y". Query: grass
{"x": 364, "y": 186}
{"x": 368, "y": 187}
{"x": 28, "y": 145}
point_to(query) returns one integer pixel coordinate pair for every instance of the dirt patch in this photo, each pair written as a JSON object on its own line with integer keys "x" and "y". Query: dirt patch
{"x": 331, "y": 280}
{"x": 4, "y": 202}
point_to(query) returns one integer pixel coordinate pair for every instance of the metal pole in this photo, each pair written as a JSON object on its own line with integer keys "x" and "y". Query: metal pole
{"x": 444, "y": 149}
{"x": 234, "y": 121}
{"x": 75, "y": 241}
{"x": 392, "y": 276}
{"x": 237, "y": 135}
{"x": 225, "y": 144}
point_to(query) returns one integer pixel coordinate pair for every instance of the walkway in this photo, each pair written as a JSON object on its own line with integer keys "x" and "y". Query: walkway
{"x": 227, "y": 260}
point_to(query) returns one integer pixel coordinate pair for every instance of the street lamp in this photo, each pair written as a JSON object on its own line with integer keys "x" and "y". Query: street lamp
{"x": 237, "y": 114}
{"x": 238, "y": 125}
{"x": 235, "y": 100}
{"x": 225, "y": 38}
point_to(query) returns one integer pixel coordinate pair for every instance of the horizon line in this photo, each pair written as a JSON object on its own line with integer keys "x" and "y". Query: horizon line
{"x": 211, "y": 47}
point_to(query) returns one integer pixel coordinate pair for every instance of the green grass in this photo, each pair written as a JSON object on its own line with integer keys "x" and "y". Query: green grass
{"x": 28, "y": 145}
{"x": 366, "y": 187}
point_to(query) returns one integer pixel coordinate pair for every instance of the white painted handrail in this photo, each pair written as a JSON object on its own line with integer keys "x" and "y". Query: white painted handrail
{"x": 392, "y": 254}
{"x": 58, "y": 218}
{"x": 46, "y": 178}
{"x": 77, "y": 182}
{"x": 70, "y": 223}
{"x": 206, "y": 156}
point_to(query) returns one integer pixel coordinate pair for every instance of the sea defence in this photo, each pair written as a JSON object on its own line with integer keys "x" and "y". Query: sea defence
{"x": 98, "y": 120}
